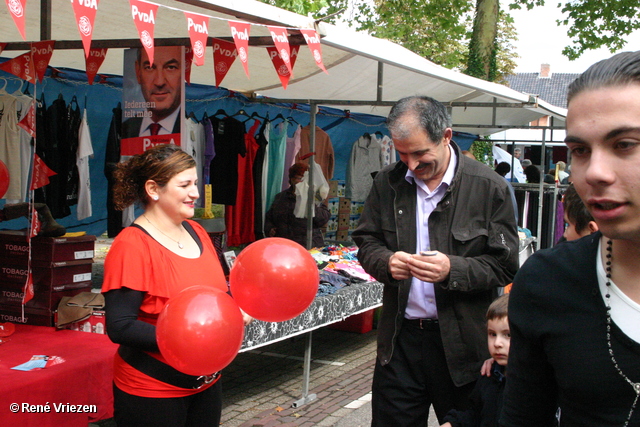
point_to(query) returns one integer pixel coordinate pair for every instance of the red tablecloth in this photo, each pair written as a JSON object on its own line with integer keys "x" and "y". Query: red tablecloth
{"x": 85, "y": 378}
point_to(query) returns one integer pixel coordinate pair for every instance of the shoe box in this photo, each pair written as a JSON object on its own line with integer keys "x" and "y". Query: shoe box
{"x": 60, "y": 266}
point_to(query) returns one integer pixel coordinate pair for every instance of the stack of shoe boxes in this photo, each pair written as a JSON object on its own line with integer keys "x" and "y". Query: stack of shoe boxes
{"x": 60, "y": 266}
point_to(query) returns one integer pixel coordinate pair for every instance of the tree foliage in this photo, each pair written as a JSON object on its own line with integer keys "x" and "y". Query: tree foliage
{"x": 438, "y": 30}
{"x": 593, "y": 23}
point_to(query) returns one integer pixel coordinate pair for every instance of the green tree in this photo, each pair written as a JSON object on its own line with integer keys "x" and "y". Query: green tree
{"x": 438, "y": 30}
{"x": 593, "y": 23}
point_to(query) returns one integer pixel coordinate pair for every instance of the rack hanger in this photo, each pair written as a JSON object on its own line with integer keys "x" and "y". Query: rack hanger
{"x": 254, "y": 116}
{"x": 240, "y": 112}
{"x": 291, "y": 119}
{"x": 6, "y": 82}
{"x": 219, "y": 112}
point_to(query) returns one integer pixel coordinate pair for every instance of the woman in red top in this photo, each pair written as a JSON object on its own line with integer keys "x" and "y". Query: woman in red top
{"x": 155, "y": 258}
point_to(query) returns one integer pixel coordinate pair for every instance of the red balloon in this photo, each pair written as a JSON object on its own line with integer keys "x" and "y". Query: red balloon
{"x": 274, "y": 279}
{"x": 4, "y": 179}
{"x": 200, "y": 330}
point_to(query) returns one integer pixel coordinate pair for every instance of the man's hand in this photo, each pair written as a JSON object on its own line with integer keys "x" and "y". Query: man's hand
{"x": 398, "y": 267}
{"x": 431, "y": 268}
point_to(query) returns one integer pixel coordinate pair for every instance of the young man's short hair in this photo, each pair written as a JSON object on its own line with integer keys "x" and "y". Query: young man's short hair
{"x": 499, "y": 308}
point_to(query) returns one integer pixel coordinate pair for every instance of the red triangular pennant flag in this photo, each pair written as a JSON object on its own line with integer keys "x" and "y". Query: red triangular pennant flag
{"x": 28, "y": 121}
{"x": 280, "y": 39}
{"x": 42, "y": 52}
{"x": 278, "y": 63}
{"x": 17, "y": 11}
{"x": 144, "y": 16}
{"x": 21, "y": 66}
{"x": 36, "y": 225}
{"x": 313, "y": 41}
{"x": 240, "y": 34}
{"x": 198, "y": 33}
{"x": 85, "y": 12}
{"x": 93, "y": 62}
{"x": 41, "y": 173}
{"x": 28, "y": 288}
{"x": 224, "y": 53}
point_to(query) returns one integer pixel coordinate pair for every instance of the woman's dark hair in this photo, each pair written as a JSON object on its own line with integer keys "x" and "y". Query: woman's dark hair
{"x": 532, "y": 173}
{"x": 159, "y": 164}
{"x": 431, "y": 115}
{"x": 619, "y": 70}
{"x": 576, "y": 210}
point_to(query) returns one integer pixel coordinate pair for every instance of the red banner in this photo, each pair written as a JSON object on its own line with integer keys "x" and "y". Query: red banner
{"x": 28, "y": 121}
{"x": 93, "y": 62}
{"x": 224, "y": 53}
{"x": 85, "y": 12}
{"x": 198, "y": 33}
{"x": 144, "y": 16}
{"x": 278, "y": 63}
{"x": 138, "y": 145}
{"x": 313, "y": 41}
{"x": 17, "y": 11}
{"x": 42, "y": 52}
{"x": 240, "y": 34}
{"x": 36, "y": 225}
{"x": 21, "y": 66}
{"x": 281, "y": 41}
{"x": 41, "y": 173}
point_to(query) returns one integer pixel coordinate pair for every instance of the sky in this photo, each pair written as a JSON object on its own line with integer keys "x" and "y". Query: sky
{"x": 541, "y": 40}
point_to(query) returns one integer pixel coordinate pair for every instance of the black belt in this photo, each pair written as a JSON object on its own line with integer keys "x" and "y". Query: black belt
{"x": 427, "y": 324}
{"x": 151, "y": 366}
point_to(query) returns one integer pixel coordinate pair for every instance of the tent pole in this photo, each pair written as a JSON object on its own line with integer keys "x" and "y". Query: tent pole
{"x": 45, "y": 19}
{"x": 311, "y": 192}
{"x": 543, "y": 161}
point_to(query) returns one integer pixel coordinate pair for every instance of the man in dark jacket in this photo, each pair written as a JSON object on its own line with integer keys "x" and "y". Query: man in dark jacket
{"x": 438, "y": 229}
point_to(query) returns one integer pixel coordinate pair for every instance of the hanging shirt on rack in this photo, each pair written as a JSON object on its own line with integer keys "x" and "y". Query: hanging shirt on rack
{"x": 74, "y": 119}
{"x": 239, "y": 219}
{"x": 293, "y": 147}
{"x": 262, "y": 141}
{"x": 23, "y": 103}
{"x": 323, "y": 149}
{"x": 388, "y": 150}
{"x": 193, "y": 144}
{"x": 209, "y": 150}
{"x": 277, "y": 151}
{"x": 228, "y": 136}
{"x": 366, "y": 158}
{"x": 85, "y": 150}
{"x": 10, "y": 145}
{"x": 111, "y": 159}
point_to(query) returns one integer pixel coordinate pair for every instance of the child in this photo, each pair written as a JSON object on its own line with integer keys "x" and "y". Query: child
{"x": 577, "y": 218}
{"x": 486, "y": 398}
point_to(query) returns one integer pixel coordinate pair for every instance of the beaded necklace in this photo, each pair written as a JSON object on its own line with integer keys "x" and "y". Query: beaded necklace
{"x": 636, "y": 386}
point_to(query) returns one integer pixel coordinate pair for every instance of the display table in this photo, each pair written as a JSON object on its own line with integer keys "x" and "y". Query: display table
{"x": 323, "y": 311}
{"x": 85, "y": 378}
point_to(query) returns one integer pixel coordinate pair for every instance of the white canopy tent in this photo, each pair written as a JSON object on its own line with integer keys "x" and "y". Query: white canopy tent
{"x": 365, "y": 73}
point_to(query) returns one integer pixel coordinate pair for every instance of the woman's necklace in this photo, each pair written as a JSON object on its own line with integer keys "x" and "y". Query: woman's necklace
{"x": 180, "y": 245}
{"x": 636, "y": 386}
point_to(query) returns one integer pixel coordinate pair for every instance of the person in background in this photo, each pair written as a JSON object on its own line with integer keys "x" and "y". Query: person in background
{"x": 160, "y": 254}
{"x": 533, "y": 174}
{"x": 517, "y": 153}
{"x": 439, "y": 231}
{"x": 562, "y": 174}
{"x": 486, "y": 398}
{"x": 578, "y": 220}
{"x": 502, "y": 169}
{"x": 280, "y": 220}
{"x": 574, "y": 309}
{"x": 525, "y": 163}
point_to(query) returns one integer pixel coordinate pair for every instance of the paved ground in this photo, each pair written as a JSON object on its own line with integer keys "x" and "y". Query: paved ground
{"x": 260, "y": 386}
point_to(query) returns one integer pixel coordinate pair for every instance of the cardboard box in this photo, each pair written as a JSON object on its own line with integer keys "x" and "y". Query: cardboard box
{"x": 353, "y": 222}
{"x": 344, "y": 205}
{"x": 14, "y": 245}
{"x": 342, "y": 235}
{"x": 360, "y": 323}
{"x": 31, "y": 316}
{"x": 44, "y": 297}
{"x": 357, "y": 208}
{"x": 333, "y": 205}
{"x": 333, "y": 188}
{"x": 341, "y": 187}
{"x": 343, "y": 223}
{"x": 95, "y": 323}
{"x": 47, "y": 273}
